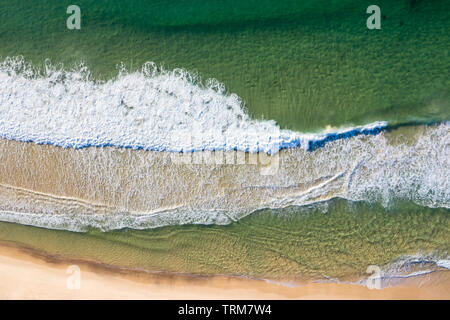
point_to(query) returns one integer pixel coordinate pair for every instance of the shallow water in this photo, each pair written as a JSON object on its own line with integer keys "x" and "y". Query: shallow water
{"x": 214, "y": 218}
{"x": 111, "y": 188}
{"x": 335, "y": 240}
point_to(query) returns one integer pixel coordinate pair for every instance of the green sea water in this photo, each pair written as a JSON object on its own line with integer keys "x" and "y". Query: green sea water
{"x": 306, "y": 64}
{"x": 341, "y": 241}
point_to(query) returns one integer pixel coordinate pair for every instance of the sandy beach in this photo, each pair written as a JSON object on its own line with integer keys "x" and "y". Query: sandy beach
{"x": 29, "y": 274}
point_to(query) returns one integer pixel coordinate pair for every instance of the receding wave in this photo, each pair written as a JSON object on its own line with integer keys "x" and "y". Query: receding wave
{"x": 405, "y": 267}
{"x": 120, "y": 163}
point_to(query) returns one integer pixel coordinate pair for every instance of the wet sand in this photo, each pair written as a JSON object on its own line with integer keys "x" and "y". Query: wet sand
{"x": 29, "y": 274}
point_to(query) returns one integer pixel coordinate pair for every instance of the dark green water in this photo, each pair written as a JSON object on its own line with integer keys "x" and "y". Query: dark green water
{"x": 291, "y": 243}
{"x": 306, "y": 64}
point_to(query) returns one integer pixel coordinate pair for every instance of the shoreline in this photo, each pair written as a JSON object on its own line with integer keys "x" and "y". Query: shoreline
{"x": 27, "y": 273}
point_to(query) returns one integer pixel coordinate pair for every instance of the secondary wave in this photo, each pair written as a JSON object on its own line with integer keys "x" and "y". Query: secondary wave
{"x": 110, "y": 188}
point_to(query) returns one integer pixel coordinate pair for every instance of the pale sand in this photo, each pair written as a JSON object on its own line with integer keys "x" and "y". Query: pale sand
{"x": 28, "y": 274}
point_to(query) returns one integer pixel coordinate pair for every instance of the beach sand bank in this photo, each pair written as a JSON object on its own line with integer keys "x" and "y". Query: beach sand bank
{"x": 29, "y": 274}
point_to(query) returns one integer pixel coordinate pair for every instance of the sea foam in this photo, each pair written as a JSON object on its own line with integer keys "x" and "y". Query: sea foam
{"x": 152, "y": 109}
{"x": 111, "y": 188}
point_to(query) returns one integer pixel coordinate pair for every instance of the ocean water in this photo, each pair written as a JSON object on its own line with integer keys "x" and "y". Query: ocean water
{"x": 304, "y": 64}
{"x": 270, "y": 139}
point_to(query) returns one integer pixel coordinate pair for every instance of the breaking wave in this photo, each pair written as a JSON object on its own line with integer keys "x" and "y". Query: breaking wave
{"x": 152, "y": 109}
